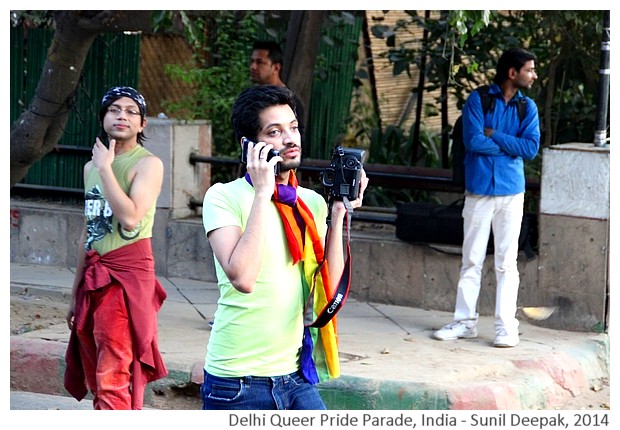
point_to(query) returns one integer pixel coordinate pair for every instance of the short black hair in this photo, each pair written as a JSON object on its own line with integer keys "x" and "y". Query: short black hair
{"x": 274, "y": 52}
{"x": 251, "y": 102}
{"x": 514, "y": 57}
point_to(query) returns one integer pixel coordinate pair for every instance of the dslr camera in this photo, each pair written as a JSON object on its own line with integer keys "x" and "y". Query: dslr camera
{"x": 342, "y": 177}
{"x": 244, "y": 154}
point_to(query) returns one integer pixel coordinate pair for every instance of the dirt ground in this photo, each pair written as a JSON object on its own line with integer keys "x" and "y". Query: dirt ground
{"x": 30, "y": 313}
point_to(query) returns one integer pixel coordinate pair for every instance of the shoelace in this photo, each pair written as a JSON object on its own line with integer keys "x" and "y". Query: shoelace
{"x": 502, "y": 332}
{"x": 455, "y": 324}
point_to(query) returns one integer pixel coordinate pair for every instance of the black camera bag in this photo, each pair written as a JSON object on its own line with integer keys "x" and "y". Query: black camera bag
{"x": 424, "y": 222}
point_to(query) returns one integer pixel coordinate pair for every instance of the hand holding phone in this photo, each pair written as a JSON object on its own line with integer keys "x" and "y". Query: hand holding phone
{"x": 104, "y": 139}
{"x": 244, "y": 154}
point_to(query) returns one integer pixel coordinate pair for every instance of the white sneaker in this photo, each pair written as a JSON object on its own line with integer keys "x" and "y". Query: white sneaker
{"x": 505, "y": 340}
{"x": 457, "y": 330}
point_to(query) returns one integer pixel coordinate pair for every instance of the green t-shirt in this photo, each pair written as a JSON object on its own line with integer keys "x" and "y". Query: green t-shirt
{"x": 104, "y": 232}
{"x": 260, "y": 333}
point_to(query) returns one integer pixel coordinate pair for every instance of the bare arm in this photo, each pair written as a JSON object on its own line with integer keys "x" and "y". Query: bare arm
{"x": 237, "y": 251}
{"x": 146, "y": 181}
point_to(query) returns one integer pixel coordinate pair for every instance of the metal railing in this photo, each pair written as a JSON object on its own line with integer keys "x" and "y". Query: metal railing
{"x": 398, "y": 177}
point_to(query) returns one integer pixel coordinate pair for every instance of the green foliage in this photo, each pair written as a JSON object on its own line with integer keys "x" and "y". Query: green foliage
{"x": 363, "y": 118}
{"x": 222, "y": 44}
{"x": 393, "y": 146}
{"x": 388, "y": 146}
{"x": 460, "y": 22}
{"x": 461, "y": 51}
{"x": 32, "y": 18}
{"x": 222, "y": 54}
{"x": 463, "y": 48}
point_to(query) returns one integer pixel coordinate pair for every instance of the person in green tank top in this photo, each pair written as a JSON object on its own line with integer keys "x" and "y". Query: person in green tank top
{"x": 116, "y": 295}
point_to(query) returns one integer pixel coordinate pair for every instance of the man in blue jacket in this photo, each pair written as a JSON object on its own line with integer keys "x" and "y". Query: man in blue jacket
{"x": 496, "y": 144}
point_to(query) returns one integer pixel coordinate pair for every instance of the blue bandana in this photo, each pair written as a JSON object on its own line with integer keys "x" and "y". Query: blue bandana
{"x": 118, "y": 92}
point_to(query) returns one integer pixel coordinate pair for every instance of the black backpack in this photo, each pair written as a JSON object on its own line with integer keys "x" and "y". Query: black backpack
{"x": 457, "y": 151}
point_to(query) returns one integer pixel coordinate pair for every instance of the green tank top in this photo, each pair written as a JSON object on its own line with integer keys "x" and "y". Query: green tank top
{"x": 104, "y": 232}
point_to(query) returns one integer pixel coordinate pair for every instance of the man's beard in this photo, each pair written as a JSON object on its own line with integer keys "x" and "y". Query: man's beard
{"x": 524, "y": 86}
{"x": 289, "y": 165}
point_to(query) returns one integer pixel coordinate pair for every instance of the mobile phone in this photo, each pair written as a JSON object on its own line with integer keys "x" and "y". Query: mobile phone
{"x": 244, "y": 154}
{"x": 104, "y": 139}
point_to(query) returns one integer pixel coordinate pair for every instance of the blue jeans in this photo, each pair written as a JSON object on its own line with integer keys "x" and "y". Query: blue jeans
{"x": 260, "y": 393}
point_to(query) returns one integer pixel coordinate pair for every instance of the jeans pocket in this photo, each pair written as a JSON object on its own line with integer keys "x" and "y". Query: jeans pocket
{"x": 222, "y": 389}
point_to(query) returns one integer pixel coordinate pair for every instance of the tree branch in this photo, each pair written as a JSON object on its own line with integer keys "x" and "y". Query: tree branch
{"x": 38, "y": 130}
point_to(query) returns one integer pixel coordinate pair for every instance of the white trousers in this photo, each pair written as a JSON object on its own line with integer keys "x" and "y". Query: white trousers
{"x": 504, "y": 215}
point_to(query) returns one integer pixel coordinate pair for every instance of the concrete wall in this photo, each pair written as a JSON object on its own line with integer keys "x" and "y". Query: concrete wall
{"x": 574, "y": 236}
{"x": 385, "y": 269}
{"x": 173, "y": 141}
{"x": 388, "y": 270}
{"x": 571, "y": 271}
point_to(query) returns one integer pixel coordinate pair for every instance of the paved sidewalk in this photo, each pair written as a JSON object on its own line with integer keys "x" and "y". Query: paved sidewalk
{"x": 388, "y": 358}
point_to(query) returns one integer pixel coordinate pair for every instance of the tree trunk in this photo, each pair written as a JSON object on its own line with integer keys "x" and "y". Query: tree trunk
{"x": 302, "y": 46}
{"x": 420, "y": 94}
{"x": 38, "y": 130}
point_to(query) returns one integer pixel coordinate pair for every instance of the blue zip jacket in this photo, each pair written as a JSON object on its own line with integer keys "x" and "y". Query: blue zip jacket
{"x": 494, "y": 165}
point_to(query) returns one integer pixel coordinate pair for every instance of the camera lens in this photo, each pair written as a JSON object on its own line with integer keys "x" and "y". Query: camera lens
{"x": 350, "y": 162}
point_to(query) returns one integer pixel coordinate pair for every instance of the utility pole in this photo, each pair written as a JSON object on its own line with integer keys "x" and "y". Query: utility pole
{"x": 600, "y": 133}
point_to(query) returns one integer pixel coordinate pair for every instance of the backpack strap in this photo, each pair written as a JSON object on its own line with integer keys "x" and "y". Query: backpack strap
{"x": 488, "y": 102}
{"x": 522, "y": 107}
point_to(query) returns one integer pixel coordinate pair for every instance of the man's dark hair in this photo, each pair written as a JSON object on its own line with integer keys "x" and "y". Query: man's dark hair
{"x": 251, "y": 102}
{"x": 514, "y": 57}
{"x": 273, "y": 49}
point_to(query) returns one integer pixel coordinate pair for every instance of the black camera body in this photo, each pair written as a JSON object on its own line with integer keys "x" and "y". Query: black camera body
{"x": 244, "y": 154}
{"x": 342, "y": 177}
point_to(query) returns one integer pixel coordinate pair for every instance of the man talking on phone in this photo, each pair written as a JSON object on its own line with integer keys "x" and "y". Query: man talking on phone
{"x": 268, "y": 236}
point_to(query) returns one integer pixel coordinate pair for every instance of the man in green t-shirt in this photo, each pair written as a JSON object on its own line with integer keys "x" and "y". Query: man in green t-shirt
{"x": 267, "y": 234}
